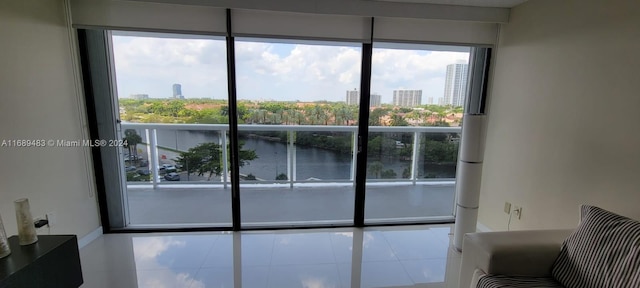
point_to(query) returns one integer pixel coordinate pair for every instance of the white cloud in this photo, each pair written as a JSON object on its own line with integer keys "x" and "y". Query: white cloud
{"x": 150, "y": 272}
{"x": 272, "y": 71}
{"x": 395, "y": 69}
{"x": 148, "y": 248}
{"x": 152, "y": 65}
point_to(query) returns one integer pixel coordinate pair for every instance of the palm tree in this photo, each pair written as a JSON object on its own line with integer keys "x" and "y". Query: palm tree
{"x": 132, "y": 139}
{"x": 342, "y": 114}
{"x": 316, "y": 114}
{"x": 375, "y": 168}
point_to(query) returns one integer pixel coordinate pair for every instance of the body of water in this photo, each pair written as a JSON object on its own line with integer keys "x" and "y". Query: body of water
{"x": 272, "y": 157}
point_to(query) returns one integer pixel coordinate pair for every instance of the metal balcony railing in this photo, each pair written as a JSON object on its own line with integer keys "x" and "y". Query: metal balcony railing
{"x": 150, "y": 133}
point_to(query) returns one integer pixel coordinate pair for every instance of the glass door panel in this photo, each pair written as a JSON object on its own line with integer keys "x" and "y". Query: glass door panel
{"x": 174, "y": 170}
{"x": 297, "y": 111}
{"x": 413, "y": 131}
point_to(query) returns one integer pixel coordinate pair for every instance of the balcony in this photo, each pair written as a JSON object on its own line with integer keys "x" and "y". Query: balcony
{"x": 303, "y": 175}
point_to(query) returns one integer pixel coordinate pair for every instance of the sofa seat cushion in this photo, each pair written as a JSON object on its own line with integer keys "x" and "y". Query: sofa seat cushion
{"x": 502, "y": 281}
{"x": 604, "y": 251}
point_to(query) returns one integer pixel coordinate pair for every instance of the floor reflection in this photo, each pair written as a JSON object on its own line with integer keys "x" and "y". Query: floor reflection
{"x": 407, "y": 256}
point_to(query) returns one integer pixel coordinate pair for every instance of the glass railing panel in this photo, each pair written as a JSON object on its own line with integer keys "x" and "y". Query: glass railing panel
{"x": 437, "y": 156}
{"x": 263, "y": 157}
{"x": 324, "y": 156}
{"x": 389, "y": 156}
{"x": 135, "y": 156}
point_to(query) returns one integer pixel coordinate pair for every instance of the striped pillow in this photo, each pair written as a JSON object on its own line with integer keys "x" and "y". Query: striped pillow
{"x": 604, "y": 251}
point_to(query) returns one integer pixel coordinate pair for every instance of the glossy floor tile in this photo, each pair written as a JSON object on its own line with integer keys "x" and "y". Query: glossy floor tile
{"x": 399, "y": 256}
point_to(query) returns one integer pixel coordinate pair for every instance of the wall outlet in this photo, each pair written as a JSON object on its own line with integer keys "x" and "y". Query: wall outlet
{"x": 51, "y": 217}
{"x": 507, "y": 207}
{"x": 517, "y": 211}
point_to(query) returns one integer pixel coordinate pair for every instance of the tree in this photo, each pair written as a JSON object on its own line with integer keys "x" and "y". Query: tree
{"x": 389, "y": 174}
{"x": 342, "y": 114}
{"x": 132, "y": 139}
{"x": 282, "y": 176}
{"x": 374, "y": 116}
{"x": 316, "y": 114}
{"x": 406, "y": 173}
{"x": 440, "y": 151}
{"x": 380, "y": 145}
{"x": 174, "y": 107}
{"x": 375, "y": 168}
{"x": 207, "y": 158}
{"x": 397, "y": 120}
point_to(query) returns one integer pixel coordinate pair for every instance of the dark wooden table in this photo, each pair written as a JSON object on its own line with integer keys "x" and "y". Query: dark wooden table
{"x": 53, "y": 261}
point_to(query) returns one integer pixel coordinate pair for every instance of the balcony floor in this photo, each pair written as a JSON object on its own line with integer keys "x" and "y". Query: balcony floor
{"x": 282, "y": 205}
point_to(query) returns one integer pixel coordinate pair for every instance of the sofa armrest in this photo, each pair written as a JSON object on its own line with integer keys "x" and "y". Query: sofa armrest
{"x": 515, "y": 253}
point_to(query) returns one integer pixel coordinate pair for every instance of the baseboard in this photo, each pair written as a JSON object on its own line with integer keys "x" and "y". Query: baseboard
{"x": 84, "y": 241}
{"x": 482, "y": 228}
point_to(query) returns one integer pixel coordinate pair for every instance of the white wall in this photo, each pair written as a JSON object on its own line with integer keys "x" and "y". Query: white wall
{"x": 39, "y": 95}
{"x": 564, "y": 114}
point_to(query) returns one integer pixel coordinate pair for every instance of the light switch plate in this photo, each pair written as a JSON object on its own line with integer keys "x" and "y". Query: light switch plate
{"x": 507, "y": 207}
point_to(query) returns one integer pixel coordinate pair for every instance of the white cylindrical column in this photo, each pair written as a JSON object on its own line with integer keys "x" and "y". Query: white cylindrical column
{"x": 469, "y": 176}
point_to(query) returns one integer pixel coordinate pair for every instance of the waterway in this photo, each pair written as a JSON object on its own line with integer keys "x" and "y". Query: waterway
{"x": 311, "y": 162}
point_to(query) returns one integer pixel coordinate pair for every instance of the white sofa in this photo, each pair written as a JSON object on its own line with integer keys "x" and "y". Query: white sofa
{"x": 603, "y": 251}
{"x": 523, "y": 253}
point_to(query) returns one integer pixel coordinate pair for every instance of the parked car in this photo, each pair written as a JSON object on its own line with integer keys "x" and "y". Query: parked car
{"x": 167, "y": 168}
{"x": 130, "y": 168}
{"x": 132, "y": 157}
{"x": 172, "y": 177}
{"x": 144, "y": 172}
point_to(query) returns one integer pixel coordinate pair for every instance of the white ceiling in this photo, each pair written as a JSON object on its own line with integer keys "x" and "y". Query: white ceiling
{"x": 476, "y": 3}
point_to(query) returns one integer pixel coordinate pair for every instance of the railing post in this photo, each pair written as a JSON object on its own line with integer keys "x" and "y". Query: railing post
{"x": 152, "y": 148}
{"x": 292, "y": 147}
{"x": 414, "y": 156}
{"x": 225, "y": 162}
{"x": 354, "y": 157}
{"x": 290, "y": 159}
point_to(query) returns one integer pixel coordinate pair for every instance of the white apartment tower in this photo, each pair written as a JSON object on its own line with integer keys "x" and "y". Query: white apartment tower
{"x": 455, "y": 85}
{"x": 375, "y": 99}
{"x": 353, "y": 98}
{"x": 407, "y": 98}
{"x": 139, "y": 96}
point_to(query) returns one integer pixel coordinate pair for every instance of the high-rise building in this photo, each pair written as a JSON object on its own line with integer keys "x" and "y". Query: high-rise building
{"x": 177, "y": 91}
{"x": 353, "y": 97}
{"x": 139, "y": 96}
{"x": 407, "y": 98}
{"x": 375, "y": 100}
{"x": 455, "y": 85}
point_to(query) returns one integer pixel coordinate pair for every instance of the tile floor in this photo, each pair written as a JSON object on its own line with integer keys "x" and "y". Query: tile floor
{"x": 399, "y": 256}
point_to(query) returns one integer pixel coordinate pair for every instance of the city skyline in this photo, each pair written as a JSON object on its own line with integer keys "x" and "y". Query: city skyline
{"x": 272, "y": 71}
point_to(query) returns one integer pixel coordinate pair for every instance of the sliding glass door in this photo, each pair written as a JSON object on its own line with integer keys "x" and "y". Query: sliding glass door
{"x": 172, "y": 95}
{"x": 297, "y": 110}
{"x": 414, "y": 131}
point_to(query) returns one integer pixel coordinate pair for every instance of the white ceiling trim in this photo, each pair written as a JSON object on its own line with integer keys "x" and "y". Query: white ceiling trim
{"x": 474, "y": 3}
{"x": 366, "y": 8}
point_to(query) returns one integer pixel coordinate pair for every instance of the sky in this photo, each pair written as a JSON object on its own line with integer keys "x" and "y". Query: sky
{"x": 272, "y": 71}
